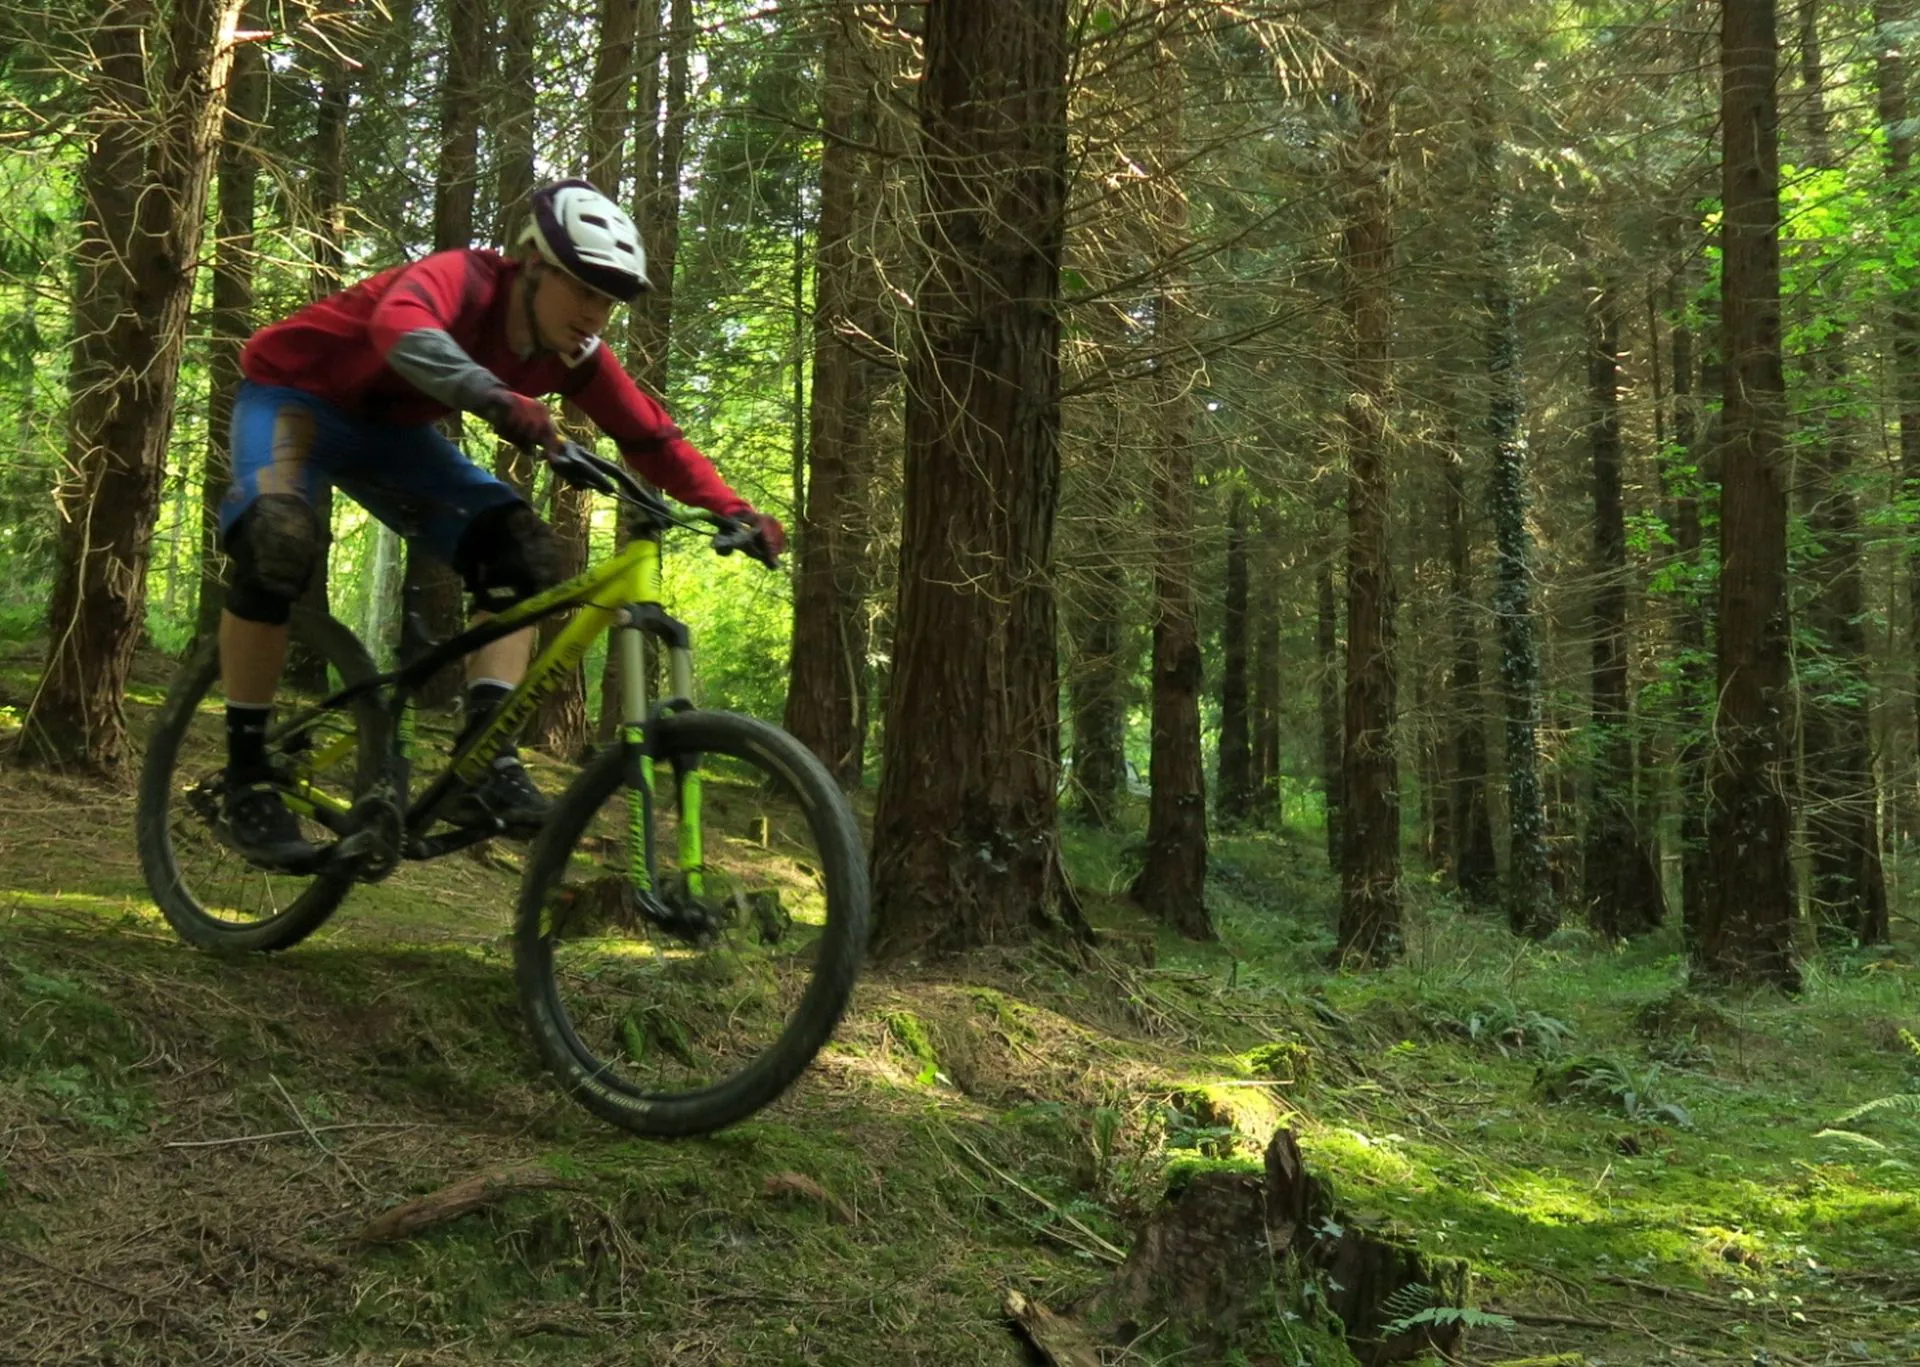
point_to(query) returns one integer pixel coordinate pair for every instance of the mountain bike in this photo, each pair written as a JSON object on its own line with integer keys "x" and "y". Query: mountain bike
{"x": 692, "y": 913}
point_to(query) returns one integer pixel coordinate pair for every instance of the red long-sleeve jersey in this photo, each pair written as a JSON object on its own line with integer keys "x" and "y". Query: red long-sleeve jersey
{"x": 337, "y": 348}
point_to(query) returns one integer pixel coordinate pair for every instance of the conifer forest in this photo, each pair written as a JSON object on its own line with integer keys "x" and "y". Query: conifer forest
{"x": 1303, "y": 751}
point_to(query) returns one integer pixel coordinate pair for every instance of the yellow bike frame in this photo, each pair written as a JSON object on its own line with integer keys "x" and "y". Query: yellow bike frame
{"x": 609, "y": 597}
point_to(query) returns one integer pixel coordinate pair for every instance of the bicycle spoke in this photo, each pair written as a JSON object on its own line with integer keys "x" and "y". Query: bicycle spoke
{"x": 208, "y": 890}
{"x": 678, "y": 977}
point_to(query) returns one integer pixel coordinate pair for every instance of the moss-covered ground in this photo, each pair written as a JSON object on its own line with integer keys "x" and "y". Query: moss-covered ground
{"x": 191, "y": 1147}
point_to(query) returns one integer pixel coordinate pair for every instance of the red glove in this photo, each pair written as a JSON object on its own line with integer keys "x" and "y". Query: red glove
{"x": 767, "y": 527}
{"x": 523, "y": 421}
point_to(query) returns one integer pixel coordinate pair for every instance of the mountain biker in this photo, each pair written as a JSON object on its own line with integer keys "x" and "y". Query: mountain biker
{"x": 345, "y": 393}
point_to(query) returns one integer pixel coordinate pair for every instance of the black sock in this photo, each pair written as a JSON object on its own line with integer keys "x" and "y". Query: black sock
{"x": 247, "y": 739}
{"x": 483, "y": 698}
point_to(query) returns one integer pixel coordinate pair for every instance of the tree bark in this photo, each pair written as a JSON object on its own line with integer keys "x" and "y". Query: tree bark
{"x": 1106, "y": 646}
{"x": 1172, "y": 885}
{"x": 326, "y": 211}
{"x": 1688, "y": 486}
{"x": 514, "y": 118}
{"x": 1333, "y": 778}
{"x": 1890, "y": 18}
{"x": 827, "y": 675}
{"x": 1475, "y": 867}
{"x": 560, "y": 725}
{"x": 142, "y": 206}
{"x": 1264, "y": 628}
{"x": 1370, "y": 845}
{"x": 1530, "y": 905}
{"x": 1748, "y": 931}
{"x": 430, "y": 592}
{"x": 659, "y": 151}
{"x": 965, "y": 838}
{"x": 1849, "y": 891}
{"x": 1236, "y": 790}
{"x": 230, "y": 320}
{"x": 1621, "y": 880}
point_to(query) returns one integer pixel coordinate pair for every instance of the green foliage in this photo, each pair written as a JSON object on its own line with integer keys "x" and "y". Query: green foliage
{"x": 1614, "y": 1082}
{"x": 1505, "y": 1027}
{"x": 1439, "y": 1316}
{"x": 1897, "y": 1105}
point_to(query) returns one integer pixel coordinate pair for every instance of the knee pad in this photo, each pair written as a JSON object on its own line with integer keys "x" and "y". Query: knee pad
{"x": 276, "y": 546}
{"x": 507, "y": 555}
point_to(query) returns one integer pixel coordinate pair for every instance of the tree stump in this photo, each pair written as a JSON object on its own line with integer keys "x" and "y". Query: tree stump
{"x": 1207, "y": 1256}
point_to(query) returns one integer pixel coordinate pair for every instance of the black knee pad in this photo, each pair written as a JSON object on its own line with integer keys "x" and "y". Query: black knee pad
{"x": 276, "y": 546}
{"x": 507, "y": 555}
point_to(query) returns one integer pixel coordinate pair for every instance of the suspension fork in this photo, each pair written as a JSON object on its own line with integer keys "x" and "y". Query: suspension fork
{"x": 636, "y": 710}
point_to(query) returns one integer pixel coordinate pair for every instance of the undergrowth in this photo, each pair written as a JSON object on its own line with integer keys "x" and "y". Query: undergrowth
{"x": 190, "y": 1148}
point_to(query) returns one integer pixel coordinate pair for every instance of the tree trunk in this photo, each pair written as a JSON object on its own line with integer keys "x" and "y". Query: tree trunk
{"x": 326, "y": 207}
{"x": 560, "y": 725}
{"x": 1696, "y": 682}
{"x": 1172, "y": 885}
{"x": 1236, "y": 787}
{"x": 1891, "y": 19}
{"x": 965, "y": 835}
{"x": 659, "y": 150}
{"x": 1264, "y": 628}
{"x": 1748, "y": 931}
{"x": 430, "y": 593}
{"x": 514, "y": 118}
{"x": 1475, "y": 867}
{"x": 142, "y": 206}
{"x": 1849, "y": 890}
{"x": 1432, "y": 819}
{"x": 1530, "y": 905}
{"x": 1105, "y": 653}
{"x": 230, "y": 320}
{"x": 657, "y": 198}
{"x": 828, "y": 675}
{"x": 1333, "y": 780}
{"x": 1370, "y": 843}
{"x": 1621, "y": 880}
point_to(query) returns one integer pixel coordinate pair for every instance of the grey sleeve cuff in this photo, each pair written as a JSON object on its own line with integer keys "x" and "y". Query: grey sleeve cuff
{"x": 432, "y": 362}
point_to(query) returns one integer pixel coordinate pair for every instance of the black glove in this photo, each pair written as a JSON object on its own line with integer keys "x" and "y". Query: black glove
{"x": 523, "y": 421}
{"x": 773, "y": 537}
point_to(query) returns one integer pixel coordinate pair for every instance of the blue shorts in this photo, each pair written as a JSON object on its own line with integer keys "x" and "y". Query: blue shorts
{"x": 286, "y": 441}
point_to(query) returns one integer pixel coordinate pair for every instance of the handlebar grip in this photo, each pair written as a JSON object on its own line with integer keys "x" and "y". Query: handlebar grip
{"x": 579, "y": 469}
{"x": 743, "y": 537}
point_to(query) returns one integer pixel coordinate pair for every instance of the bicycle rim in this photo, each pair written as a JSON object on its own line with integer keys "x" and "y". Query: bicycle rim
{"x": 679, "y": 997}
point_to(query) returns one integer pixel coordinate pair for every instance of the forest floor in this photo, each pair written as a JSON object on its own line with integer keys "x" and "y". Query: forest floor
{"x": 190, "y": 1148}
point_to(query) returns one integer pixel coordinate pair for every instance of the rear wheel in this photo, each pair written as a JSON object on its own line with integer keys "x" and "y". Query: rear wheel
{"x": 680, "y": 995}
{"x": 210, "y": 895}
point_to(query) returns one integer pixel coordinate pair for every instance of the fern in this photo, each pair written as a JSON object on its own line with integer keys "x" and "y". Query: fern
{"x": 1443, "y": 1315}
{"x": 1408, "y": 1301}
{"x": 1900, "y": 1103}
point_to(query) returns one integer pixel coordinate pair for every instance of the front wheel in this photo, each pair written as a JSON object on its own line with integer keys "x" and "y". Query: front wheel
{"x": 690, "y": 924}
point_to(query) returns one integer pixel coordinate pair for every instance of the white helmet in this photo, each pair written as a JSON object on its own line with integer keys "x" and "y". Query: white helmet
{"x": 588, "y": 236}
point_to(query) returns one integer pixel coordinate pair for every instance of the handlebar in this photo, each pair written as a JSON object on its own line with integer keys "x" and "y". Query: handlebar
{"x": 585, "y": 470}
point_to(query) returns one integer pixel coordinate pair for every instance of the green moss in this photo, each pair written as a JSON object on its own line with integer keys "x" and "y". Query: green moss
{"x": 404, "y": 1010}
{"x": 1281, "y": 1060}
{"x": 911, "y": 1034}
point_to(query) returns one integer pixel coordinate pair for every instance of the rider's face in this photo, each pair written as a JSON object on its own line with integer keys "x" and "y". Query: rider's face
{"x": 565, "y": 312}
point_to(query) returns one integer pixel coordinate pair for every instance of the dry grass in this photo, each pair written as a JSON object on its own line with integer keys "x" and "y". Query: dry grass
{"x": 191, "y": 1148}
